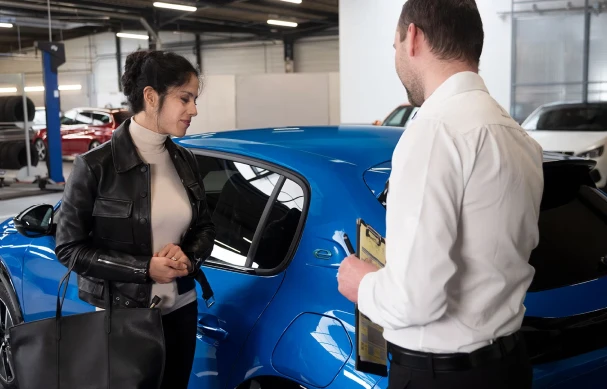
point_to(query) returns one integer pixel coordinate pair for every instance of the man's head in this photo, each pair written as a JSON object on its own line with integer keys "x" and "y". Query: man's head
{"x": 432, "y": 34}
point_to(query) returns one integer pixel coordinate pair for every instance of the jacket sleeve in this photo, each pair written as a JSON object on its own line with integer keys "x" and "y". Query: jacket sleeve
{"x": 200, "y": 240}
{"x": 74, "y": 243}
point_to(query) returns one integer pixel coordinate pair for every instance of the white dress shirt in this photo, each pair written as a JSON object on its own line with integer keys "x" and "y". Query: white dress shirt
{"x": 461, "y": 222}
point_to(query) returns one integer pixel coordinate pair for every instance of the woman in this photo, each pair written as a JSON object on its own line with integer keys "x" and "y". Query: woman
{"x": 134, "y": 210}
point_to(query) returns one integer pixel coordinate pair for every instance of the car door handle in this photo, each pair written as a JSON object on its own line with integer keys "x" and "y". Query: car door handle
{"x": 208, "y": 325}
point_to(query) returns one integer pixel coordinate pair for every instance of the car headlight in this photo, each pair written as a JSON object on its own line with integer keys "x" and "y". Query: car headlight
{"x": 594, "y": 153}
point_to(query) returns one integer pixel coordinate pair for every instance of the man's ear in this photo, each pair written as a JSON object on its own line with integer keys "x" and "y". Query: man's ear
{"x": 414, "y": 34}
{"x": 150, "y": 96}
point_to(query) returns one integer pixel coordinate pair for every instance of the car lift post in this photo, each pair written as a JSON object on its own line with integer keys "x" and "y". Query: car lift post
{"x": 53, "y": 56}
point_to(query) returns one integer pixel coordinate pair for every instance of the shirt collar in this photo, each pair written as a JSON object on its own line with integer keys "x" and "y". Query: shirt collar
{"x": 456, "y": 84}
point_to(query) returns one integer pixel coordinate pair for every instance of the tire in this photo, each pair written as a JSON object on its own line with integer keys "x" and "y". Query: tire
{"x": 9, "y": 155}
{"x": 94, "y": 144}
{"x": 22, "y": 157}
{"x": 11, "y": 109}
{"x": 40, "y": 148}
{"x": 7, "y": 314}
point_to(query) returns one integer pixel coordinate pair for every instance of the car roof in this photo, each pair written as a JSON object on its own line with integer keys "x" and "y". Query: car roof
{"x": 575, "y": 104}
{"x": 107, "y": 110}
{"x": 363, "y": 146}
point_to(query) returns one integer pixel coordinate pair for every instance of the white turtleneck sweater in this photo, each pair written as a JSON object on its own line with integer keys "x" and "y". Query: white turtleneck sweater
{"x": 171, "y": 210}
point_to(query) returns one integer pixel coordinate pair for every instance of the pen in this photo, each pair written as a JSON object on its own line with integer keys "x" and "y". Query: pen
{"x": 349, "y": 245}
{"x": 155, "y": 301}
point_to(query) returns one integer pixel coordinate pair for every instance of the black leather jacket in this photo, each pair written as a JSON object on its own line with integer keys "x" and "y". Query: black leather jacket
{"x": 104, "y": 227}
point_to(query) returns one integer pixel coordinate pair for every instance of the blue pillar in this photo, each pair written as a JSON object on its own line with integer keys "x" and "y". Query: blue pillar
{"x": 53, "y": 55}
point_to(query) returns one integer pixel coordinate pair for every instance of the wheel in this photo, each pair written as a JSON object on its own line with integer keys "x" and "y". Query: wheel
{"x": 40, "y": 148}
{"x": 7, "y": 315}
{"x": 94, "y": 144}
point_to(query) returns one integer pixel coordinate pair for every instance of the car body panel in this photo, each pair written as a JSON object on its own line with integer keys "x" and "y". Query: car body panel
{"x": 77, "y": 139}
{"x": 239, "y": 338}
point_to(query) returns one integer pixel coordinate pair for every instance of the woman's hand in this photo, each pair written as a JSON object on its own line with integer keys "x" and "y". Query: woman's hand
{"x": 164, "y": 270}
{"x": 174, "y": 252}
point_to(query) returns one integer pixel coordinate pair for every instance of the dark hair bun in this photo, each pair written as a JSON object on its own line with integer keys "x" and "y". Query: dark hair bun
{"x": 160, "y": 70}
{"x": 132, "y": 71}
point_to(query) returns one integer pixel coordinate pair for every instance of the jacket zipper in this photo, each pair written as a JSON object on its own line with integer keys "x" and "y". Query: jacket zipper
{"x": 119, "y": 265}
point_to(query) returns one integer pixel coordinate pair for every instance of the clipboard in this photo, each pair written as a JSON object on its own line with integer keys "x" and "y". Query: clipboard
{"x": 371, "y": 347}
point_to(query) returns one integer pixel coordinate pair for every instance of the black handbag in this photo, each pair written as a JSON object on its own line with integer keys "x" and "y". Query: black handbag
{"x": 110, "y": 349}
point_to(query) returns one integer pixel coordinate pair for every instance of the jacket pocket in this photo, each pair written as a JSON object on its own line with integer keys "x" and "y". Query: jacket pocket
{"x": 111, "y": 219}
{"x": 91, "y": 286}
{"x": 112, "y": 208}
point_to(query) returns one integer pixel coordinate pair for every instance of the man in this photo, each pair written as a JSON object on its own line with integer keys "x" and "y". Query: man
{"x": 462, "y": 213}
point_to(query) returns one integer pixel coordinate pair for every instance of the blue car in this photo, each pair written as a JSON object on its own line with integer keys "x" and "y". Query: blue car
{"x": 282, "y": 200}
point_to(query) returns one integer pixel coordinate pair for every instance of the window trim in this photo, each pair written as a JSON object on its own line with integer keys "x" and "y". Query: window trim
{"x": 285, "y": 174}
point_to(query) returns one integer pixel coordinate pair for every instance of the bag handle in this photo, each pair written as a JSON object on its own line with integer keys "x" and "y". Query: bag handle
{"x": 61, "y": 298}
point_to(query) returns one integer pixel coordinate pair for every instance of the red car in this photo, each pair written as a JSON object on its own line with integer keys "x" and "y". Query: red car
{"x": 82, "y": 129}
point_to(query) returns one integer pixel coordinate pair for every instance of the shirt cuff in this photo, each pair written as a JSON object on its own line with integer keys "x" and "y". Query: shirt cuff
{"x": 366, "y": 297}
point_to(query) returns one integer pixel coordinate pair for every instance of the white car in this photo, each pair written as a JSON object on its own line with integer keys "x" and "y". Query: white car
{"x": 578, "y": 129}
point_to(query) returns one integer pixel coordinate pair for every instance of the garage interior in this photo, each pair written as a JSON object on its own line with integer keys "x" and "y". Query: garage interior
{"x": 286, "y": 64}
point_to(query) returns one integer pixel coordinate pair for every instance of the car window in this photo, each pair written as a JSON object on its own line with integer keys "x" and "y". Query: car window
{"x": 99, "y": 119}
{"x": 411, "y": 116}
{"x": 74, "y": 117}
{"x": 396, "y": 118}
{"x": 583, "y": 118}
{"x": 237, "y": 194}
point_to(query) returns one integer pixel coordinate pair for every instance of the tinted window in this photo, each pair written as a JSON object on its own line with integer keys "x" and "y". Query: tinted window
{"x": 100, "y": 119}
{"x": 396, "y": 118}
{"x": 237, "y": 194}
{"x": 279, "y": 231}
{"x": 74, "y": 117}
{"x": 569, "y": 119}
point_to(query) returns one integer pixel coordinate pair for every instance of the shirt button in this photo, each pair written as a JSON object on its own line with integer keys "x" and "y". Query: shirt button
{"x": 143, "y": 220}
{"x": 141, "y": 294}
{"x": 144, "y": 169}
{"x": 127, "y": 303}
{"x": 143, "y": 246}
{"x": 144, "y": 194}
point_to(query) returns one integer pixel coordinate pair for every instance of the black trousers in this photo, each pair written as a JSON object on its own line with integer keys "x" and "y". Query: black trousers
{"x": 180, "y": 329}
{"x": 513, "y": 371}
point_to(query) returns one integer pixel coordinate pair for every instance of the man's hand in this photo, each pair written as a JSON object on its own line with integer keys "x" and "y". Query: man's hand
{"x": 174, "y": 252}
{"x": 351, "y": 272}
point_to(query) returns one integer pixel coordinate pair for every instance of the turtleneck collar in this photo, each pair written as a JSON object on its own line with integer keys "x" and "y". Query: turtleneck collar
{"x": 146, "y": 141}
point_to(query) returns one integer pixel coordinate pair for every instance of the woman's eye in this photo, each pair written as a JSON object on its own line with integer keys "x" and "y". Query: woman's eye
{"x": 185, "y": 100}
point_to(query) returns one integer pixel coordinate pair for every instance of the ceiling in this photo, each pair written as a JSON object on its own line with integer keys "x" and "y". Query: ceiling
{"x": 76, "y": 18}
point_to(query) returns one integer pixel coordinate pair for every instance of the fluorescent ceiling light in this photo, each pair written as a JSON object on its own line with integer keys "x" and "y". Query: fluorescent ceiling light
{"x": 132, "y": 36}
{"x": 61, "y": 87}
{"x": 70, "y": 87}
{"x": 6, "y": 25}
{"x": 178, "y": 7}
{"x": 8, "y": 90}
{"x": 34, "y": 89}
{"x": 282, "y": 23}
{"x": 292, "y": 1}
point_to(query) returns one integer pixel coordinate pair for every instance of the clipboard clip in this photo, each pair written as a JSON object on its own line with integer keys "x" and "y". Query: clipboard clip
{"x": 376, "y": 237}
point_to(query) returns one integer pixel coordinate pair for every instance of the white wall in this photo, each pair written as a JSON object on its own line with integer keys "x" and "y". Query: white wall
{"x": 370, "y": 88}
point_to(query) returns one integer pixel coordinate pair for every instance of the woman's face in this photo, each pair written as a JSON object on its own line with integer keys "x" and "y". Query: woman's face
{"x": 179, "y": 108}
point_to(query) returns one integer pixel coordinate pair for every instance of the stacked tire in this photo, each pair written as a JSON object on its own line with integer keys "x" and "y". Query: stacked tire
{"x": 13, "y": 155}
{"x": 11, "y": 109}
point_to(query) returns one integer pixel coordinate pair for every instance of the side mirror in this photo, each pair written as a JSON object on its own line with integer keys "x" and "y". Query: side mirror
{"x": 35, "y": 221}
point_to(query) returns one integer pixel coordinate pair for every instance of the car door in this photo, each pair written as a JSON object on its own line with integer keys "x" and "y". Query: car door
{"x": 74, "y": 123}
{"x": 257, "y": 212}
{"x": 42, "y": 273}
